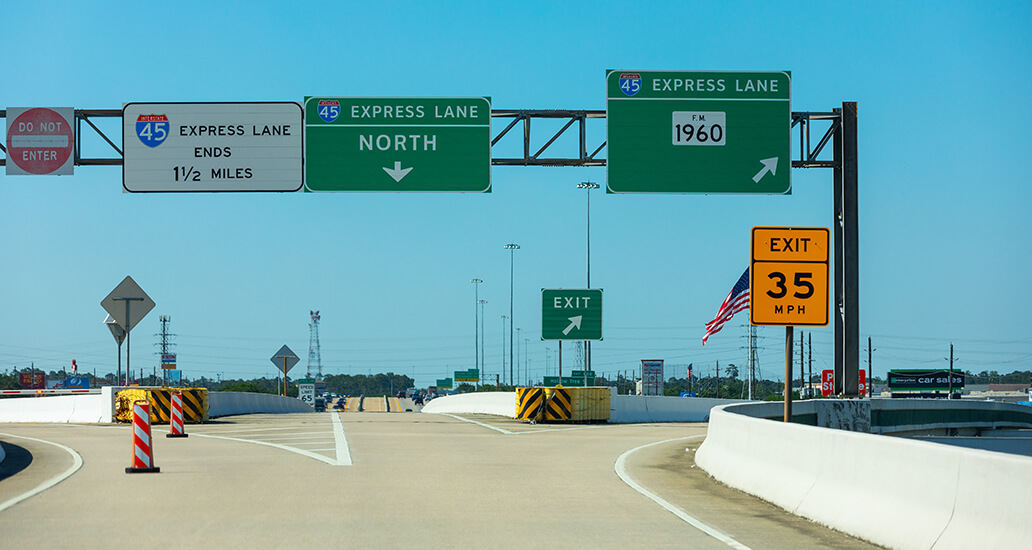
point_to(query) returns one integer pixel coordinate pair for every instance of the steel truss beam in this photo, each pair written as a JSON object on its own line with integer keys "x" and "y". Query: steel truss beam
{"x": 808, "y": 153}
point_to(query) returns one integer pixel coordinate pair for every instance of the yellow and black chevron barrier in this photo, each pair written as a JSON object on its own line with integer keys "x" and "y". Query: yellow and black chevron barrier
{"x": 557, "y": 404}
{"x": 561, "y": 404}
{"x": 529, "y": 403}
{"x": 195, "y": 404}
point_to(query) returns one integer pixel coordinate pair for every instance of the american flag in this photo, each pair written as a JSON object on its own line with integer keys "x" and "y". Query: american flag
{"x": 737, "y": 300}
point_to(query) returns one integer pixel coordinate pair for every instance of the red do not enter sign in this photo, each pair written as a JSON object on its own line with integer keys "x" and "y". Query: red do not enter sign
{"x": 40, "y": 141}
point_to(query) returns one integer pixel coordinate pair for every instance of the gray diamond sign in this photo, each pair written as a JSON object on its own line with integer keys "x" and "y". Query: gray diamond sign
{"x": 284, "y": 359}
{"x": 128, "y": 304}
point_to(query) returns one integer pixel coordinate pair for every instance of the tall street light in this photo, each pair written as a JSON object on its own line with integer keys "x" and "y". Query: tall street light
{"x": 518, "y": 330}
{"x": 482, "y": 362}
{"x": 526, "y": 360}
{"x": 511, "y": 247}
{"x": 588, "y": 186}
{"x": 476, "y": 324}
{"x": 503, "y": 347}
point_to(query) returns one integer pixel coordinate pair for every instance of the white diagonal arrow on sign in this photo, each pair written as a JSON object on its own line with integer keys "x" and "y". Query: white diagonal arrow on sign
{"x": 397, "y": 173}
{"x": 769, "y": 165}
{"x": 574, "y": 323}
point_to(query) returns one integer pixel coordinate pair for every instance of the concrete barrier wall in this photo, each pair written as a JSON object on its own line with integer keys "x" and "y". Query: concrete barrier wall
{"x": 497, "y": 403}
{"x": 99, "y": 409}
{"x": 84, "y": 409}
{"x": 226, "y": 403}
{"x": 892, "y": 491}
{"x": 639, "y": 408}
{"x": 623, "y": 408}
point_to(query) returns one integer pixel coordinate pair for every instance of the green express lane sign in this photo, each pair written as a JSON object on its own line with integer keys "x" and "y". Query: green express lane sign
{"x": 398, "y": 144}
{"x": 698, "y": 132}
{"x": 571, "y": 314}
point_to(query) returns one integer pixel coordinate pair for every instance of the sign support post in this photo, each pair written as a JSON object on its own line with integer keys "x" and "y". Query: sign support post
{"x": 789, "y": 333}
{"x": 127, "y": 344}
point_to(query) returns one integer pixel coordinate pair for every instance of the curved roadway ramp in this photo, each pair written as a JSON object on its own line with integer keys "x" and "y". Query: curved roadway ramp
{"x": 446, "y": 481}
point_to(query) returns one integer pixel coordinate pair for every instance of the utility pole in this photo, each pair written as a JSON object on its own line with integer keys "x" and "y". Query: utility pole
{"x": 951, "y": 370}
{"x": 810, "y": 372}
{"x": 870, "y": 380}
{"x": 165, "y": 343}
{"x": 802, "y": 371}
{"x": 718, "y": 379}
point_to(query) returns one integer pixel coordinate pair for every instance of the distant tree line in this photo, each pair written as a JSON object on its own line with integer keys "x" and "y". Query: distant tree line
{"x": 372, "y": 385}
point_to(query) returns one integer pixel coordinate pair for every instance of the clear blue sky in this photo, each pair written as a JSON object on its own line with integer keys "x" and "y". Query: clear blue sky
{"x": 944, "y": 186}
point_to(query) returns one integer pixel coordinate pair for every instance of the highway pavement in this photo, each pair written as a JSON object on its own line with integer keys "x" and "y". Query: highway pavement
{"x": 356, "y": 480}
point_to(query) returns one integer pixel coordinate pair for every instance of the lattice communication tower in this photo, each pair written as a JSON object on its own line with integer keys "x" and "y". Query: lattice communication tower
{"x": 314, "y": 355}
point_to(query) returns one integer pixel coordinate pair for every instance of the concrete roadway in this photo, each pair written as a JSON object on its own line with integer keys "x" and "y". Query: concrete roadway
{"x": 436, "y": 481}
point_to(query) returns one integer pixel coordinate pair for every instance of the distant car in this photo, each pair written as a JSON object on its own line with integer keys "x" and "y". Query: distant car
{"x": 320, "y": 404}
{"x": 400, "y": 395}
{"x": 417, "y": 399}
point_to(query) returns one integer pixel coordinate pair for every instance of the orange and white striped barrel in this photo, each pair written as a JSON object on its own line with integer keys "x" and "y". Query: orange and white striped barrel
{"x": 175, "y": 423}
{"x": 143, "y": 452}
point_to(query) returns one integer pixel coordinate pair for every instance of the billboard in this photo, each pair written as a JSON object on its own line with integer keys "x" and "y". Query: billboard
{"x": 652, "y": 377}
{"x": 927, "y": 380}
{"x": 32, "y": 380}
{"x": 77, "y": 383}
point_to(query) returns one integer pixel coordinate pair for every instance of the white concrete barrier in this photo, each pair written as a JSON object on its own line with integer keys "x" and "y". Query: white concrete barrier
{"x": 502, "y": 403}
{"x": 80, "y": 409}
{"x": 99, "y": 408}
{"x": 225, "y": 403}
{"x": 623, "y": 408}
{"x": 892, "y": 491}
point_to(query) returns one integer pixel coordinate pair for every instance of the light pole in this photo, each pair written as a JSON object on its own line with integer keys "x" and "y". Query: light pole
{"x": 512, "y": 248}
{"x": 482, "y": 362}
{"x": 526, "y": 359}
{"x": 503, "y": 347}
{"x": 476, "y": 324}
{"x": 588, "y": 186}
{"x": 518, "y": 330}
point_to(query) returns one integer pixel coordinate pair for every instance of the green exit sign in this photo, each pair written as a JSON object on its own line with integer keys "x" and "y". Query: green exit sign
{"x": 571, "y": 314}
{"x": 398, "y": 144}
{"x": 698, "y": 132}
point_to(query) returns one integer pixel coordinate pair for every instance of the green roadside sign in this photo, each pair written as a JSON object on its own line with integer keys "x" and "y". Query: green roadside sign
{"x": 470, "y": 375}
{"x": 445, "y": 383}
{"x": 572, "y": 381}
{"x": 698, "y": 132}
{"x": 571, "y": 314}
{"x": 398, "y": 144}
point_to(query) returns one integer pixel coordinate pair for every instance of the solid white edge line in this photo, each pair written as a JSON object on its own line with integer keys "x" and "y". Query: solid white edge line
{"x": 76, "y": 464}
{"x": 621, "y": 471}
{"x": 488, "y": 426}
{"x": 322, "y": 458}
{"x": 342, "y": 449}
{"x": 529, "y": 432}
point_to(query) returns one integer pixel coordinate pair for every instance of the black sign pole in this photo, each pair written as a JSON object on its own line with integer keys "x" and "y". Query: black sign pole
{"x": 788, "y": 373}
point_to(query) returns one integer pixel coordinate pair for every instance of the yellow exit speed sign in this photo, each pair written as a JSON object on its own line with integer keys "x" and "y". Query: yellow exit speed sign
{"x": 789, "y": 276}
